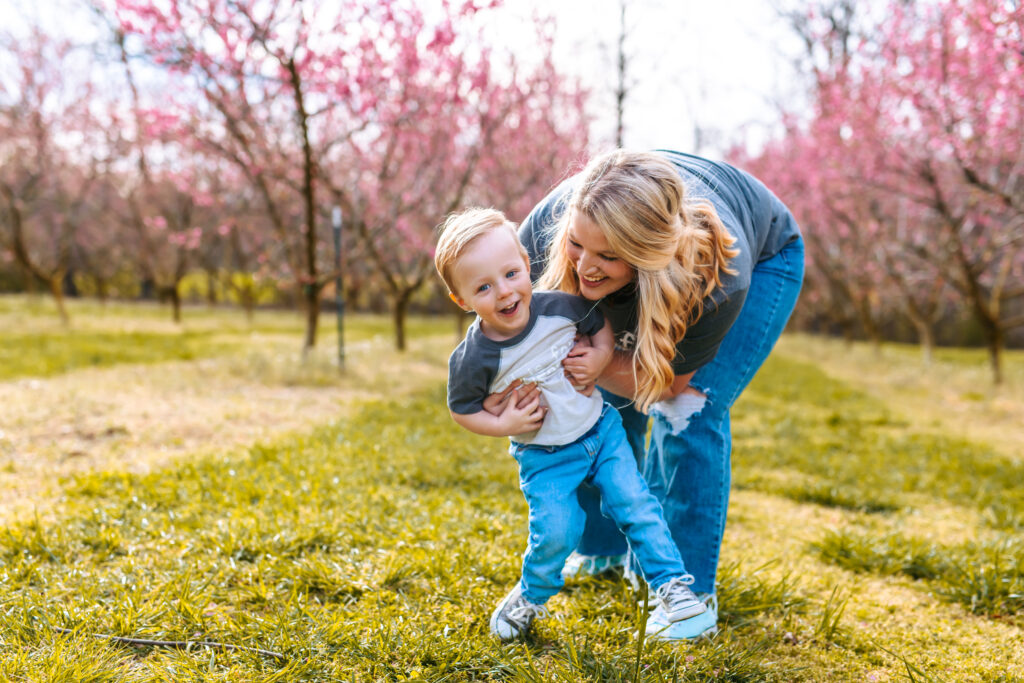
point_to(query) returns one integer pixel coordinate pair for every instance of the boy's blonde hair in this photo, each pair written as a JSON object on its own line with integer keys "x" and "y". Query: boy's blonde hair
{"x": 459, "y": 231}
{"x": 677, "y": 245}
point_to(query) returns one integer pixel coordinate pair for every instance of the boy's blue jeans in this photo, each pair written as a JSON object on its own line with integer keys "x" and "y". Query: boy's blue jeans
{"x": 550, "y": 476}
{"x": 688, "y": 466}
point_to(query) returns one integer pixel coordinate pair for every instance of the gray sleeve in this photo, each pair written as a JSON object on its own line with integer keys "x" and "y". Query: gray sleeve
{"x": 469, "y": 379}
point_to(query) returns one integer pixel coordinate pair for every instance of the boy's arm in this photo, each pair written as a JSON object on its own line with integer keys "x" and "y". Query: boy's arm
{"x": 586, "y": 363}
{"x": 512, "y": 420}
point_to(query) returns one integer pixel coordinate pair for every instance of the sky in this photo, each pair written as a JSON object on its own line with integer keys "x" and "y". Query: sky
{"x": 723, "y": 66}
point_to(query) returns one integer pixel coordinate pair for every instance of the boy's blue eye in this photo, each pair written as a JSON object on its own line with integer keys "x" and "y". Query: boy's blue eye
{"x": 483, "y": 288}
{"x": 511, "y": 274}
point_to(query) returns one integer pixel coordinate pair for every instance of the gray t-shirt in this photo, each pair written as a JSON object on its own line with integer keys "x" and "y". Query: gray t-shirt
{"x": 480, "y": 366}
{"x": 761, "y": 224}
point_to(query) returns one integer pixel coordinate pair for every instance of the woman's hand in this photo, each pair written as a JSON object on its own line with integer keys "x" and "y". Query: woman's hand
{"x": 518, "y": 417}
{"x": 495, "y": 404}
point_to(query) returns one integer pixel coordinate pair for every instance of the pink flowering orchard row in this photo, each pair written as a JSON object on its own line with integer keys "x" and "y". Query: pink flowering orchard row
{"x": 219, "y": 134}
{"x": 908, "y": 178}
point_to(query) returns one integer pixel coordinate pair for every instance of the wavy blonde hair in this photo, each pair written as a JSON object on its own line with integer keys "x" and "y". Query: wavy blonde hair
{"x": 678, "y": 247}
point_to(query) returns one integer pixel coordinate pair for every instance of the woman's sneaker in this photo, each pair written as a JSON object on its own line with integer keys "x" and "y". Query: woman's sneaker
{"x": 678, "y": 602}
{"x": 659, "y": 627}
{"x": 579, "y": 566}
{"x": 514, "y": 615}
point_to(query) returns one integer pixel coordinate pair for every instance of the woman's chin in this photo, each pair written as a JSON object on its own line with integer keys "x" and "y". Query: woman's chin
{"x": 592, "y": 291}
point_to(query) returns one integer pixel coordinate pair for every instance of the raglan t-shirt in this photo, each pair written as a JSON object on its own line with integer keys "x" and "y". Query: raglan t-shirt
{"x": 480, "y": 366}
{"x": 761, "y": 224}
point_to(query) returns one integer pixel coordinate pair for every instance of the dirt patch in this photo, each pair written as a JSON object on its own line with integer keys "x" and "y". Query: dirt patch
{"x": 137, "y": 418}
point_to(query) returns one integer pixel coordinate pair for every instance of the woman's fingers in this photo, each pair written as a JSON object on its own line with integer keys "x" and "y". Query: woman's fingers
{"x": 495, "y": 403}
{"x": 527, "y": 393}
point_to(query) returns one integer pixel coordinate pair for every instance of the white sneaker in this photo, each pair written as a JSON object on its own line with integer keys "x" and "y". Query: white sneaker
{"x": 703, "y": 625}
{"x": 515, "y": 614}
{"x": 579, "y": 566}
{"x": 678, "y": 602}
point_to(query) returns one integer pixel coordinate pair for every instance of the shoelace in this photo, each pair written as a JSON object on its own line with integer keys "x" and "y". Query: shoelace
{"x": 677, "y": 590}
{"x": 522, "y": 614}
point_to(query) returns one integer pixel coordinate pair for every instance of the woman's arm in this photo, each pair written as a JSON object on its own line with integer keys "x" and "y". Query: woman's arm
{"x": 618, "y": 378}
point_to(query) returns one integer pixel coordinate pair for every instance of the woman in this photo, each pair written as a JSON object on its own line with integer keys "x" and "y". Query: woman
{"x": 698, "y": 266}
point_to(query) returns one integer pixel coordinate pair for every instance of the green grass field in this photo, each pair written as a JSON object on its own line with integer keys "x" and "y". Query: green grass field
{"x": 868, "y": 539}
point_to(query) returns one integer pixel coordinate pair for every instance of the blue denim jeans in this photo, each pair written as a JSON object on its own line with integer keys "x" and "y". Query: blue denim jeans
{"x": 550, "y": 476}
{"x": 688, "y": 467}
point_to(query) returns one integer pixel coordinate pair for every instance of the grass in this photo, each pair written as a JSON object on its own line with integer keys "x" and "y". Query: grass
{"x": 38, "y": 345}
{"x": 365, "y": 550}
{"x": 987, "y": 577}
{"x": 865, "y": 542}
{"x": 845, "y": 449}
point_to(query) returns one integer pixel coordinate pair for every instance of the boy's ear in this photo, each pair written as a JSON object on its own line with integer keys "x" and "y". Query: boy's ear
{"x": 458, "y": 302}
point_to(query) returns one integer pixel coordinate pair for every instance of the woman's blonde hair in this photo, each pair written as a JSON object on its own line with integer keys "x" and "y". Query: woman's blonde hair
{"x": 677, "y": 245}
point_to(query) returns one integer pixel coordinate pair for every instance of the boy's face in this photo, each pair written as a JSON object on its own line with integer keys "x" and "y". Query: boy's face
{"x": 492, "y": 279}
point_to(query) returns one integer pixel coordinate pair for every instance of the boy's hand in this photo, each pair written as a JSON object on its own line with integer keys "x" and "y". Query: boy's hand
{"x": 585, "y": 363}
{"x": 516, "y": 419}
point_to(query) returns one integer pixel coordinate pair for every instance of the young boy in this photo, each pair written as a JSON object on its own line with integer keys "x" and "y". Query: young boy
{"x": 559, "y": 439}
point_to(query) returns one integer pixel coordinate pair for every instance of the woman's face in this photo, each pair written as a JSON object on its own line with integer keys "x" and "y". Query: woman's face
{"x": 599, "y": 269}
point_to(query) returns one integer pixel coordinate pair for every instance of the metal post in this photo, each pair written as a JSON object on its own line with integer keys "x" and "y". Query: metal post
{"x": 339, "y": 299}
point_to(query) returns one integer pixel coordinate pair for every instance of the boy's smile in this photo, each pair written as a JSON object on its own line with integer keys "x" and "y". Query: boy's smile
{"x": 492, "y": 279}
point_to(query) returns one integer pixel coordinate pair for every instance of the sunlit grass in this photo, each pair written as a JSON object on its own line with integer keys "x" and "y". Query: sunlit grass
{"x": 987, "y": 578}
{"x": 34, "y": 343}
{"x": 375, "y": 546}
{"x": 846, "y": 449}
{"x": 365, "y": 550}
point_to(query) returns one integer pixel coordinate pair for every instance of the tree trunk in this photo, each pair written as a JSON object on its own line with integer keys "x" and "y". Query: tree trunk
{"x": 102, "y": 289}
{"x": 867, "y": 322}
{"x": 312, "y": 317}
{"x": 57, "y": 289}
{"x": 400, "y": 312}
{"x": 70, "y": 288}
{"x": 996, "y": 342}
{"x": 926, "y": 338}
{"x": 175, "y": 298}
{"x": 211, "y": 288}
{"x": 248, "y": 296}
{"x": 351, "y": 294}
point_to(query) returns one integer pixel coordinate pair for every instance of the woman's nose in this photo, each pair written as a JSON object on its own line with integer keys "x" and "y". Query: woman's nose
{"x": 583, "y": 262}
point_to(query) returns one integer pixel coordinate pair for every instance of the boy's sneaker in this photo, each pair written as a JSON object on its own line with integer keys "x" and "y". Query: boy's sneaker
{"x": 579, "y": 566}
{"x": 702, "y": 625}
{"x": 678, "y": 602}
{"x": 514, "y": 615}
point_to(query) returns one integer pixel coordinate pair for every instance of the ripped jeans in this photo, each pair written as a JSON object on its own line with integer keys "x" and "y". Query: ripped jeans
{"x": 687, "y": 464}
